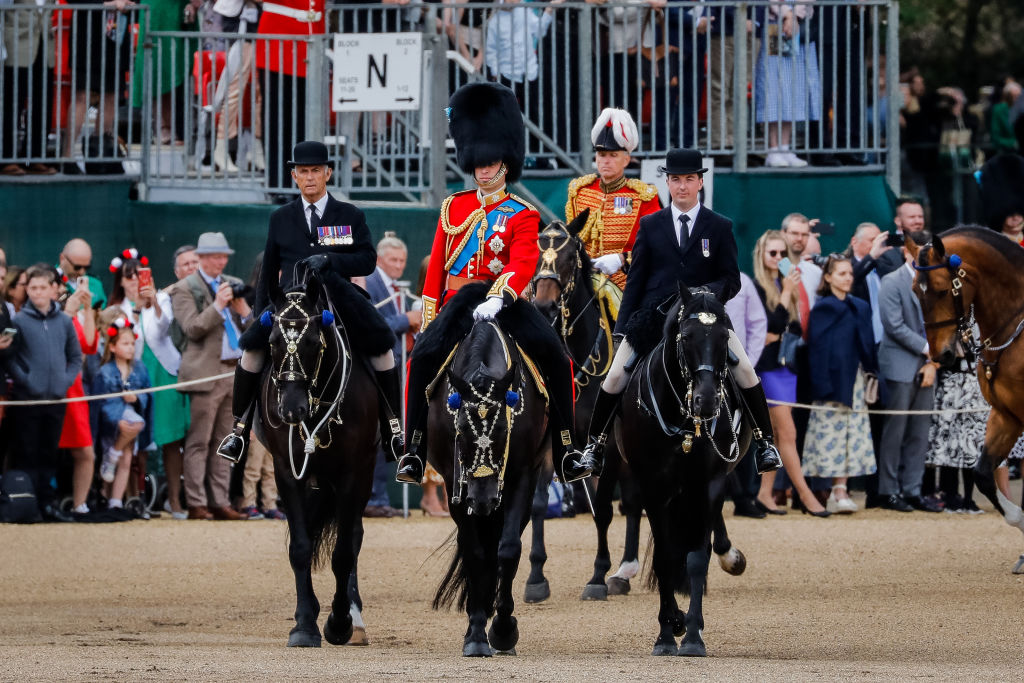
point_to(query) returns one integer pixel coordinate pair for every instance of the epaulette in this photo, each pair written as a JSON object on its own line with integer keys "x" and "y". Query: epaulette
{"x": 574, "y": 188}
{"x": 644, "y": 191}
{"x": 528, "y": 205}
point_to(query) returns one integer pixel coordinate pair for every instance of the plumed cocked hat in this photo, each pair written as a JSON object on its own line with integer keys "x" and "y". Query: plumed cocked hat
{"x": 486, "y": 124}
{"x": 615, "y": 130}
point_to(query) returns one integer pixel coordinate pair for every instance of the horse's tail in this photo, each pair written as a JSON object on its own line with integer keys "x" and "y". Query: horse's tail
{"x": 454, "y": 586}
{"x": 322, "y": 524}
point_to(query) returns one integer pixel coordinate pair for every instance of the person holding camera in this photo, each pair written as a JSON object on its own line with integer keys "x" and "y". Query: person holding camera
{"x": 211, "y": 310}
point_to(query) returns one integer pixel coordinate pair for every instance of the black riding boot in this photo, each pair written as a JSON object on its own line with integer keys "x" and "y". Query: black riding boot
{"x": 575, "y": 465}
{"x": 391, "y": 440}
{"x": 243, "y": 397}
{"x": 766, "y": 456}
{"x": 601, "y": 419}
{"x": 411, "y": 464}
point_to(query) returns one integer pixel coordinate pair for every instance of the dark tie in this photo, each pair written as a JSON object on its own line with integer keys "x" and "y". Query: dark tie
{"x": 314, "y": 220}
{"x": 684, "y": 231}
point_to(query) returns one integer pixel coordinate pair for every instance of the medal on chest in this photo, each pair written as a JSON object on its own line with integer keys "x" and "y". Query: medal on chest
{"x": 334, "y": 235}
{"x": 623, "y": 206}
{"x": 705, "y": 247}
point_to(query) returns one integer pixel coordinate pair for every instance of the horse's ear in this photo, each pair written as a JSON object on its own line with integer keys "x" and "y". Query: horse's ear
{"x": 938, "y": 246}
{"x": 577, "y": 223}
{"x": 912, "y": 247}
{"x": 457, "y": 384}
{"x": 685, "y": 294}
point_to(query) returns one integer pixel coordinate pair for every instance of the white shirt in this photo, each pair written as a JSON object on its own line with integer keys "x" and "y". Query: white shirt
{"x": 389, "y": 283}
{"x": 512, "y": 36}
{"x": 810, "y": 279}
{"x": 320, "y": 204}
{"x": 154, "y": 332}
{"x": 691, "y": 214}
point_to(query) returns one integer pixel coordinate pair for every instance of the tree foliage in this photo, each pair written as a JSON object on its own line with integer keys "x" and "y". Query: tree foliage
{"x": 968, "y": 43}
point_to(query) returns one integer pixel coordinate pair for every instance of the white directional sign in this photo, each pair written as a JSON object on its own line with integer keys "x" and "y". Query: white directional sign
{"x": 377, "y": 71}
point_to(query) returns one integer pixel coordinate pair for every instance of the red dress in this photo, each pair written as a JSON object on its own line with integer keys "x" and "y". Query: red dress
{"x": 76, "y": 432}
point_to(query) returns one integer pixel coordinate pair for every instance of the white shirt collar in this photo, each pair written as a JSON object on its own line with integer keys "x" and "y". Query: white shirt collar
{"x": 910, "y": 269}
{"x": 320, "y": 205}
{"x": 692, "y": 214}
{"x": 388, "y": 282}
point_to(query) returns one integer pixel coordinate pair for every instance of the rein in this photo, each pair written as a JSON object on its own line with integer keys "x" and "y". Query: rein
{"x": 488, "y": 410}
{"x": 652, "y": 406}
{"x": 549, "y": 271}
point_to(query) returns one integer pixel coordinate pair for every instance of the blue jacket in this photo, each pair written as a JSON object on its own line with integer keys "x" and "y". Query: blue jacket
{"x": 46, "y": 356}
{"x": 839, "y": 339}
{"x": 108, "y": 381}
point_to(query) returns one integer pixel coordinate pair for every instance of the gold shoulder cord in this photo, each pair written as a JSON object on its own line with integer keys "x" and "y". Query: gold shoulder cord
{"x": 473, "y": 218}
{"x": 522, "y": 201}
{"x": 574, "y": 189}
{"x": 645, "y": 191}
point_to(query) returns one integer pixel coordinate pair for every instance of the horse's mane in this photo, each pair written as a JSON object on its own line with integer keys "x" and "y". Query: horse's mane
{"x": 586, "y": 264}
{"x": 702, "y": 300}
{"x": 479, "y": 348}
{"x": 998, "y": 242}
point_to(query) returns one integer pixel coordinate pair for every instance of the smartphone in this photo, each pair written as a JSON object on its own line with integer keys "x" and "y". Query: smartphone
{"x": 82, "y": 282}
{"x": 10, "y": 332}
{"x": 785, "y": 265}
{"x": 823, "y": 228}
{"x": 145, "y": 277}
{"x": 894, "y": 240}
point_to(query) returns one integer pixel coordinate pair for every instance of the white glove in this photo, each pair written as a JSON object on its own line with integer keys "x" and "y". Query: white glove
{"x": 609, "y": 264}
{"x": 488, "y": 309}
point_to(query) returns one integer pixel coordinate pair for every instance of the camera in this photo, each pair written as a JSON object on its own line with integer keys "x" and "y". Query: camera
{"x": 819, "y": 260}
{"x": 894, "y": 240}
{"x": 240, "y": 290}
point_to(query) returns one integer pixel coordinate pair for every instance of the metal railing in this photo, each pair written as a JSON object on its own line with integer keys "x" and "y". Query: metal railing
{"x": 736, "y": 79}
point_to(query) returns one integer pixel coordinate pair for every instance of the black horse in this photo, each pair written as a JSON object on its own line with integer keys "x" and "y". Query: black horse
{"x": 318, "y": 417}
{"x": 564, "y": 292}
{"x": 682, "y": 434}
{"x": 487, "y": 428}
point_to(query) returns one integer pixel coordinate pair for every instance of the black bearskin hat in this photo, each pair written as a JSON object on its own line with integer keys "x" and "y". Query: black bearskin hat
{"x": 485, "y": 121}
{"x": 1002, "y": 189}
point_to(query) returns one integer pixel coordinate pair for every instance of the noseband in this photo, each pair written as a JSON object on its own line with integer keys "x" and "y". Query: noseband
{"x": 290, "y": 369}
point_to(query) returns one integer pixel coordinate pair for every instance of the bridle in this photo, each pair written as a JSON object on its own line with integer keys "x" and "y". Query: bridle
{"x": 548, "y": 270}
{"x": 684, "y": 398}
{"x": 963, "y": 316}
{"x": 291, "y": 369}
{"x": 488, "y": 409}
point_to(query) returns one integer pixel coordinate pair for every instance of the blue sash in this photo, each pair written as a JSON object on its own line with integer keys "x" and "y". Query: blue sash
{"x": 496, "y": 220}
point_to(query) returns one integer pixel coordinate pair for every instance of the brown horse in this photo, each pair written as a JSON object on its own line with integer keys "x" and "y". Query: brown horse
{"x": 974, "y": 272}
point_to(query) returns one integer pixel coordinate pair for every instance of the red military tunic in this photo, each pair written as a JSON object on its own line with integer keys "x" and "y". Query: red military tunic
{"x": 495, "y": 243}
{"x": 614, "y": 215}
{"x": 288, "y": 17}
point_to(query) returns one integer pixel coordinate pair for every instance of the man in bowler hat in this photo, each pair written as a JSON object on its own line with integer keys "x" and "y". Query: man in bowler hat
{"x": 330, "y": 238}
{"x": 692, "y": 246}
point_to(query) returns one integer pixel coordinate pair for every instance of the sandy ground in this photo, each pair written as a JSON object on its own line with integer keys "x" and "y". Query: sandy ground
{"x": 875, "y": 596}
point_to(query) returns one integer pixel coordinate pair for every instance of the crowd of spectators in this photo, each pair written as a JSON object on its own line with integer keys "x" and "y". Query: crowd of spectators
{"x": 63, "y": 337}
{"x": 845, "y": 331}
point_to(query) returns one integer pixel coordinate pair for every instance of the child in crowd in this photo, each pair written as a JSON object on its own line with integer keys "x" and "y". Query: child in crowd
{"x": 46, "y": 360}
{"x": 124, "y": 420}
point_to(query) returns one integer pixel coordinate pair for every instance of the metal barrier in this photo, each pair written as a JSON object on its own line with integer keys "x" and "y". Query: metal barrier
{"x": 66, "y": 80}
{"x": 762, "y": 81}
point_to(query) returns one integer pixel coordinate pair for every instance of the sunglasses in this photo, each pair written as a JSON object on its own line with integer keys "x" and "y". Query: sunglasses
{"x": 774, "y": 252}
{"x": 129, "y": 276}
{"x": 79, "y": 266}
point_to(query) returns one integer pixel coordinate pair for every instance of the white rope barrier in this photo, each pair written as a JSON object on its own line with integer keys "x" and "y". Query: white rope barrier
{"x": 845, "y": 409}
{"x": 100, "y": 397}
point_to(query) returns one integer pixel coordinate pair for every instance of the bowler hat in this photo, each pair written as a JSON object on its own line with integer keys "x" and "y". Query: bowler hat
{"x": 682, "y": 162}
{"x": 213, "y": 243}
{"x": 310, "y": 153}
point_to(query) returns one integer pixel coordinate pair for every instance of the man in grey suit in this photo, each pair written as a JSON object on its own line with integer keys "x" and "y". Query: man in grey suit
{"x": 388, "y": 299}
{"x": 910, "y": 379}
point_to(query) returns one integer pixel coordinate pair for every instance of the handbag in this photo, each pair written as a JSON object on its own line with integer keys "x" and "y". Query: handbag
{"x": 787, "y": 349}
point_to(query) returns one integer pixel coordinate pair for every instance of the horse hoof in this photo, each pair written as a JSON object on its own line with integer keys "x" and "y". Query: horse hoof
{"x": 303, "y": 639}
{"x": 664, "y": 650}
{"x": 335, "y": 634}
{"x": 617, "y": 586}
{"x": 1019, "y": 568}
{"x": 504, "y": 643}
{"x": 733, "y": 561}
{"x": 692, "y": 649}
{"x": 358, "y": 637}
{"x": 594, "y": 591}
{"x": 537, "y": 592}
{"x": 475, "y": 649}
{"x": 505, "y": 653}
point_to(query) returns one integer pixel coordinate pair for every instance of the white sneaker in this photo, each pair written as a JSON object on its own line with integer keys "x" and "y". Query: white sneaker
{"x": 222, "y": 159}
{"x": 108, "y": 468}
{"x": 796, "y": 162}
{"x": 840, "y": 506}
{"x": 776, "y": 159}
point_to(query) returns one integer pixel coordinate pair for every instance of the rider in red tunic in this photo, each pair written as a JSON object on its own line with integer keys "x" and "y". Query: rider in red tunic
{"x": 486, "y": 235}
